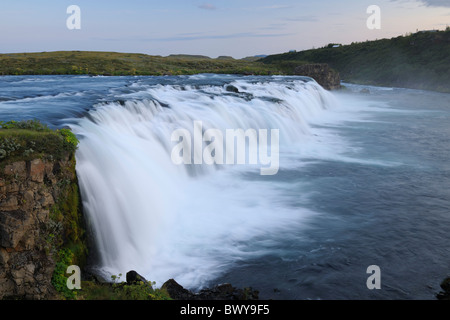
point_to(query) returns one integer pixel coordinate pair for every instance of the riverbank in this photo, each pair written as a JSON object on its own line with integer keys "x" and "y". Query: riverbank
{"x": 414, "y": 61}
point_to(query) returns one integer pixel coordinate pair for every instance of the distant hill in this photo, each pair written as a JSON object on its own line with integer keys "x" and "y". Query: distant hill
{"x": 188, "y": 56}
{"x": 254, "y": 58}
{"x": 225, "y": 58}
{"x": 114, "y": 63}
{"x": 420, "y": 60}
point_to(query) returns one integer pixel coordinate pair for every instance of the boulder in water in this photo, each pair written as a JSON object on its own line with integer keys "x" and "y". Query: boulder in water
{"x": 231, "y": 88}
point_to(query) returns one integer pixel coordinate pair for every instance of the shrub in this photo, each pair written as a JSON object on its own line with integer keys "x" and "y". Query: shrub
{"x": 59, "y": 279}
{"x": 34, "y": 125}
{"x": 69, "y": 138}
{"x": 29, "y": 139}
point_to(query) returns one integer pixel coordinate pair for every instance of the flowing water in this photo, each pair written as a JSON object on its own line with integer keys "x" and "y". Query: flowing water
{"x": 363, "y": 179}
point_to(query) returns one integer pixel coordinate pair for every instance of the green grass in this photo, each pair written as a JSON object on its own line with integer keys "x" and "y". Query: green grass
{"x": 27, "y": 140}
{"x": 113, "y": 63}
{"x": 91, "y": 290}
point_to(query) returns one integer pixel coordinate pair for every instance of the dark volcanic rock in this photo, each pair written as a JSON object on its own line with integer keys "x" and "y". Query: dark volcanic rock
{"x": 134, "y": 277}
{"x": 445, "y": 285}
{"x": 322, "y": 73}
{"x": 220, "y": 292}
{"x": 228, "y": 292}
{"x": 176, "y": 291}
{"x": 28, "y": 193}
{"x": 231, "y": 88}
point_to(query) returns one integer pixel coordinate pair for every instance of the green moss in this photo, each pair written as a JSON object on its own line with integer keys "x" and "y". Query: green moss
{"x": 67, "y": 213}
{"x": 69, "y": 237}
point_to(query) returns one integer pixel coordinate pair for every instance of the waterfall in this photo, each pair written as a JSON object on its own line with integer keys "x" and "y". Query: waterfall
{"x": 190, "y": 222}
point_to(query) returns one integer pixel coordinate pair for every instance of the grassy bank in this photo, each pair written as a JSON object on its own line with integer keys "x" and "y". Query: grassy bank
{"x": 27, "y": 140}
{"x": 113, "y": 63}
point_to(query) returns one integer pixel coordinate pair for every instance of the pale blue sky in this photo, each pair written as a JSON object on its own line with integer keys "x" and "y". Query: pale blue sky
{"x": 211, "y": 27}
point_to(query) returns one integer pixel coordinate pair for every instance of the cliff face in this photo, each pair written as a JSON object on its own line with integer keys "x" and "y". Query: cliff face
{"x": 322, "y": 73}
{"x": 31, "y": 226}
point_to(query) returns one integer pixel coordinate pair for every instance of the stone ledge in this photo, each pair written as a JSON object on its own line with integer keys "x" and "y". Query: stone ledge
{"x": 322, "y": 73}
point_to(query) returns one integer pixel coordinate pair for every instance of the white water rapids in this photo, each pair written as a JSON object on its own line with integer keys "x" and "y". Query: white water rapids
{"x": 193, "y": 222}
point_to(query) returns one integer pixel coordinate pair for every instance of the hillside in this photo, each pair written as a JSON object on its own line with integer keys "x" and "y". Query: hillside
{"x": 420, "y": 60}
{"x": 114, "y": 63}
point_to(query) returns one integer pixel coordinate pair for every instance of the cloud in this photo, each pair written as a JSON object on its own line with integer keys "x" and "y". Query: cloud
{"x": 265, "y": 8}
{"x": 274, "y": 26}
{"x": 436, "y": 3}
{"x": 207, "y": 6}
{"x": 182, "y": 37}
{"x": 308, "y": 18}
{"x": 429, "y": 3}
{"x": 279, "y": 6}
{"x": 200, "y": 36}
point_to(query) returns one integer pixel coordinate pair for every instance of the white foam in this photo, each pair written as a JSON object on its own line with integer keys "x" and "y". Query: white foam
{"x": 192, "y": 223}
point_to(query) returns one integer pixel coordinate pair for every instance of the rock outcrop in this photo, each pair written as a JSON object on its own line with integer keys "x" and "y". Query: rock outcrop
{"x": 220, "y": 292}
{"x": 29, "y": 193}
{"x": 445, "y": 294}
{"x": 322, "y": 73}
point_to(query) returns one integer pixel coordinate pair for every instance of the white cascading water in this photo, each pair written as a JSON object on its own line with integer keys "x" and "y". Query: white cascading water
{"x": 190, "y": 222}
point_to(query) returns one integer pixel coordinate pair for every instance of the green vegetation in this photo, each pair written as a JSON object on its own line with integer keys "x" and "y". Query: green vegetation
{"x": 59, "y": 280}
{"x": 67, "y": 227}
{"x": 115, "y": 64}
{"x": 420, "y": 60}
{"x": 27, "y": 140}
{"x": 91, "y": 290}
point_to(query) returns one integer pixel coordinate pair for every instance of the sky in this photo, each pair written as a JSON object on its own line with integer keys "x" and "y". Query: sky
{"x": 211, "y": 27}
